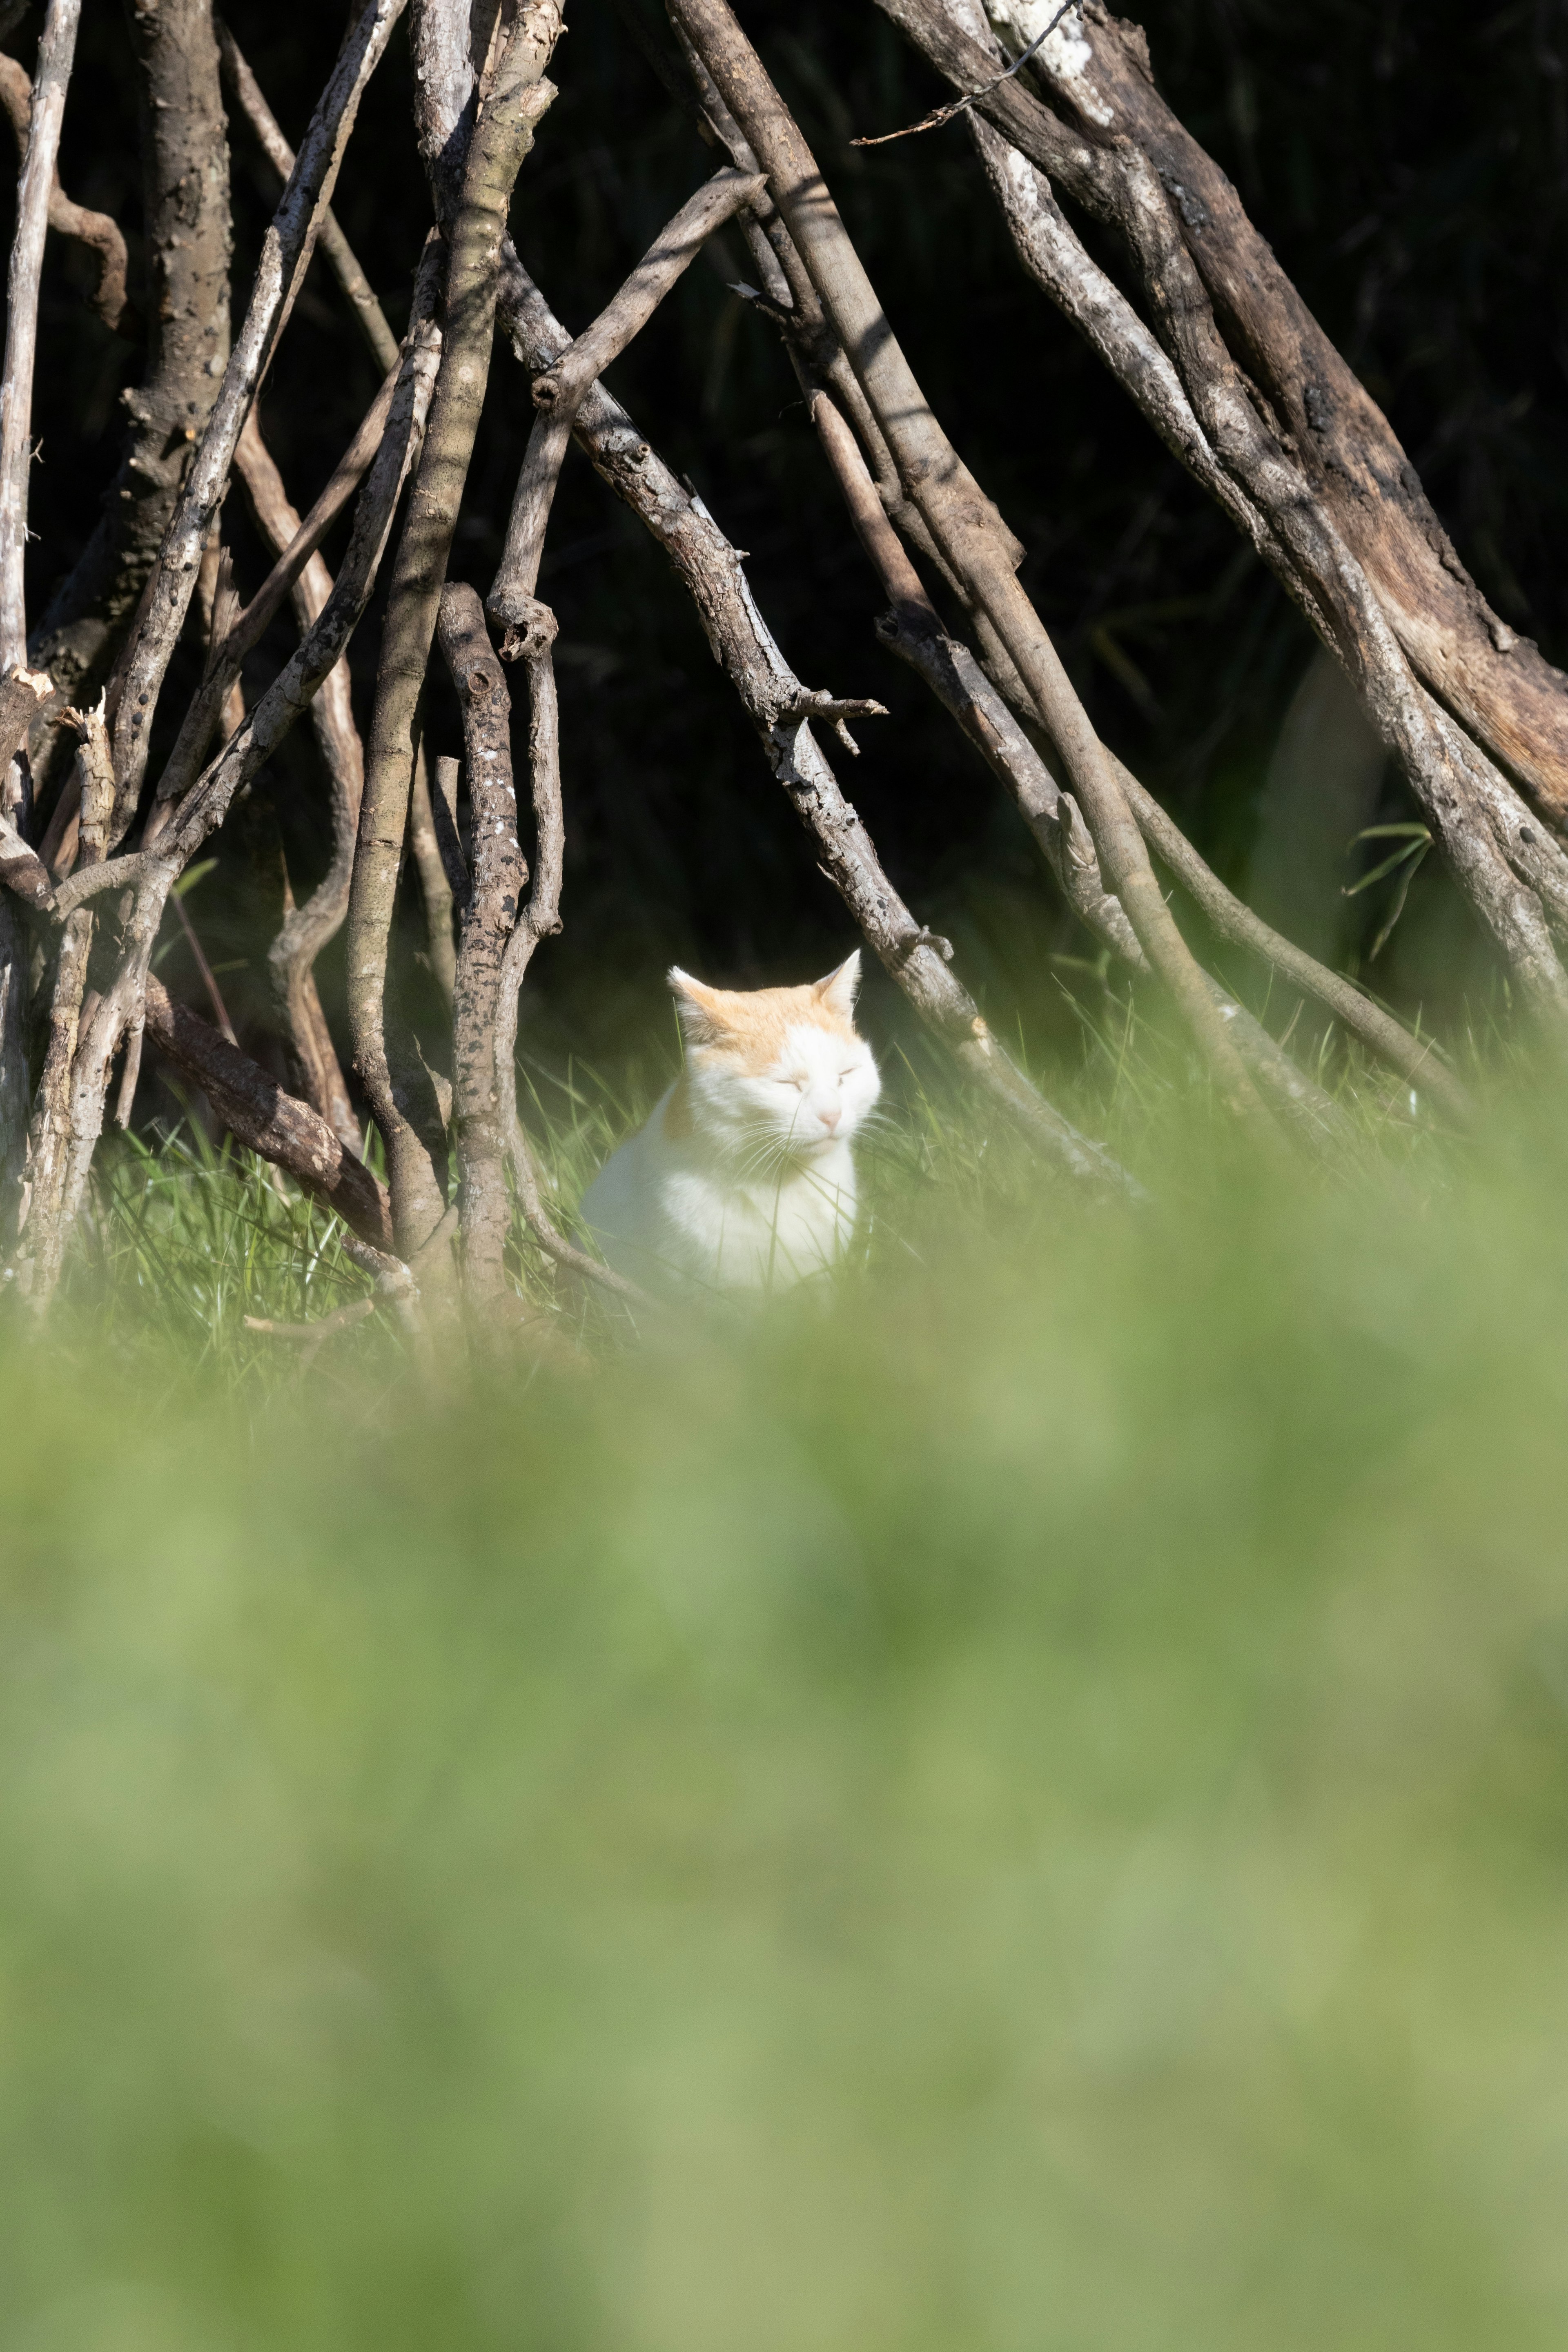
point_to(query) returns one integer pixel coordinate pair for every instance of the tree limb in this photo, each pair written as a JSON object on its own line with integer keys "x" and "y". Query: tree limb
{"x": 259, "y": 1115}
{"x": 187, "y": 232}
{"x": 97, "y": 231}
{"x": 57, "y": 49}
{"x": 399, "y": 1096}
{"x": 490, "y": 918}
{"x": 963, "y": 520}
{"x": 285, "y": 255}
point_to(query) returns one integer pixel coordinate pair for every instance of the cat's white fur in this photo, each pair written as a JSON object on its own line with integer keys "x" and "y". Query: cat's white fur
{"x": 744, "y": 1179}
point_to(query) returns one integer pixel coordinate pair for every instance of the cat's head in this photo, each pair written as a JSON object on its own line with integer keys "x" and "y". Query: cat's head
{"x": 775, "y": 1071}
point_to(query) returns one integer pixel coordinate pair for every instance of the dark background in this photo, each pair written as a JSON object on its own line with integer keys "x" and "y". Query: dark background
{"x": 1409, "y": 167}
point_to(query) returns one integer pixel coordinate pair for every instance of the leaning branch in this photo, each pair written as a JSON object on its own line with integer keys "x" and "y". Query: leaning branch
{"x": 963, "y": 522}
{"x": 333, "y": 244}
{"x": 401, "y": 1096}
{"x": 56, "y": 49}
{"x": 259, "y": 1115}
{"x": 285, "y": 254}
{"x": 96, "y": 231}
{"x": 559, "y": 393}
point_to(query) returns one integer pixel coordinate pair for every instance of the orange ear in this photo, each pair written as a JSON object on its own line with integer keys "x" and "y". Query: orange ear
{"x": 838, "y": 991}
{"x": 702, "y": 1022}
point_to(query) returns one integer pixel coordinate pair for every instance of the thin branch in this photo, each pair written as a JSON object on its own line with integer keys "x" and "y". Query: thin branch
{"x": 285, "y": 255}
{"x": 56, "y": 49}
{"x": 540, "y": 920}
{"x": 187, "y": 234}
{"x": 434, "y": 882}
{"x": 559, "y": 392}
{"x": 355, "y": 285}
{"x": 307, "y": 929}
{"x": 934, "y": 121}
{"x": 97, "y": 231}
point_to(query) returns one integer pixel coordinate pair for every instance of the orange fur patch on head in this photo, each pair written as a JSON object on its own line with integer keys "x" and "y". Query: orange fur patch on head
{"x": 746, "y": 1028}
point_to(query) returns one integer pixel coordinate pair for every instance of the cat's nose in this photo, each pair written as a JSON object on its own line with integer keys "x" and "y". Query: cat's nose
{"x": 829, "y": 1119}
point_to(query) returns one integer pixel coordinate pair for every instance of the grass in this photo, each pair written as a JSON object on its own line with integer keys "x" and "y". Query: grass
{"x": 1016, "y": 1804}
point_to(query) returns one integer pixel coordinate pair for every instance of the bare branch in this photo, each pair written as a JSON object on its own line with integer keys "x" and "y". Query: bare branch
{"x": 186, "y": 232}
{"x": 285, "y": 254}
{"x": 489, "y": 920}
{"x": 56, "y": 49}
{"x": 355, "y": 285}
{"x": 434, "y": 883}
{"x": 259, "y": 1115}
{"x": 1116, "y": 180}
{"x": 307, "y": 930}
{"x": 559, "y": 392}
{"x": 97, "y": 231}
{"x": 401, "y": 1097}
{"x": 961, "y": 519}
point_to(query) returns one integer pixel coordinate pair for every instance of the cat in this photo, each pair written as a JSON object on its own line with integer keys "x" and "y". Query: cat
{"x": 744, "y": 1179}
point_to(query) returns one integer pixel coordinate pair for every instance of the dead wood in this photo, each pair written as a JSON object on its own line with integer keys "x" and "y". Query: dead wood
{"x": 1114, "y": 179}
{"x": 307, "y": 929}
{"x": 187, "y": 237}
{"x": 559, "y": 390}
{"x": 97, "y": 231}
{"x": 961, "y": 519}
{"x": 266, "y": 1119}
{"x": 499, "y": 873}
{"x": 1511, "y": 700}
{"x": 285, "y": 255}
{"x": 401, "y": 1096}
{"x": 146, "y": 878}
{"x": 56, "y": 49}
{"x": 330, "y": 241}
{"x": 434, "y": 882}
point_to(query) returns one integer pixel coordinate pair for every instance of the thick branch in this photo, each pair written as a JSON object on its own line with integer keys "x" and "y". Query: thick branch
{"x": 504, "y": 135}
{"x": 259, "y": 1115}
{"x": 97, "y": 231}
{"x": 1116, "y": 181}
{"x": 185, "y": 226}
{"x": 490, "y": 919}
{"x": 285, "y": 254}
{"x": 963, "y": 520}
{"x": 57, "y": 49}
{"x": 1511, "y": 699}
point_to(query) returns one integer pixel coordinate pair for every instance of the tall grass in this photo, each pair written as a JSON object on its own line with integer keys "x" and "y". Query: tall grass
{"x": 1014, "y": 1802}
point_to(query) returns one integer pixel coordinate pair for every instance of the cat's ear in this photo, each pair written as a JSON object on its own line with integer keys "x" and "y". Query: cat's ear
{"x": 701, "y": 1022}
{"x": 838, "y": 990}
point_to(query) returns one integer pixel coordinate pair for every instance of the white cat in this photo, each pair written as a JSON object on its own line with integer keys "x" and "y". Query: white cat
{"x": 743, "y": 1178}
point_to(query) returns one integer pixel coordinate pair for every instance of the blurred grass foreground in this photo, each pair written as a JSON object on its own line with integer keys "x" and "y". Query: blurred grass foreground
{"x": 1020, "y": 1805}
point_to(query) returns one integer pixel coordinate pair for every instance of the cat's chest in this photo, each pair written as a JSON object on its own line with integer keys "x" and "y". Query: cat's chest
{"x": 772, "y": 1230}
